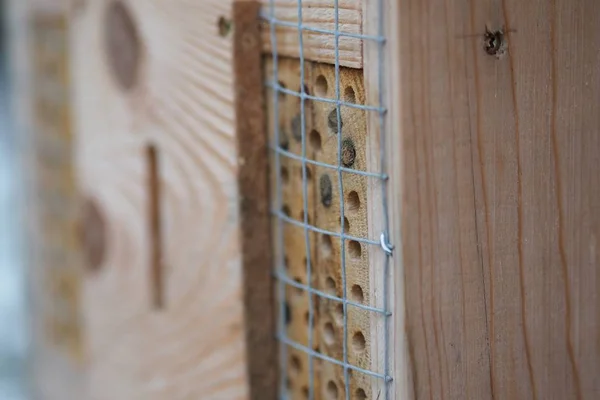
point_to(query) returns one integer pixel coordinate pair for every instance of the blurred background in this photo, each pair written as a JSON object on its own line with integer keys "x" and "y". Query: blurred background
{"x": 13, "y": 335}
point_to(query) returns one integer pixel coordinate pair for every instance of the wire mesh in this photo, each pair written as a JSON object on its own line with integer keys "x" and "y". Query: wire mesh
{"x": 380, "y": 243}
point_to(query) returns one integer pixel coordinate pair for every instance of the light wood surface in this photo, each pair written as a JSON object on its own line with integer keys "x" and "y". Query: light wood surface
{"x": 45, "y": 133}
{"x": 155, "y": 72}
{"x": 500, "y": 218}
{"x": 317, "y": 46}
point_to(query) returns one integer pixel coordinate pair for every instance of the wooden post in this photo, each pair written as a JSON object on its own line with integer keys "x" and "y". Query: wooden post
{"x": 154, "y": 116}
{"x": 498, "y": 118}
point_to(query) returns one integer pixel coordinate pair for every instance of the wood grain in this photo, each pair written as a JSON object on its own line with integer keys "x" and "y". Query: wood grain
{"x": 317, "y": 46}
{"x": 499, "y": 198}
{"x": 182, "y": 101}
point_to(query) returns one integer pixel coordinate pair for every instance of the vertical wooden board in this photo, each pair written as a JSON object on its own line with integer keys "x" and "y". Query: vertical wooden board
{"x": 155, "y": 73}
{"x": 56, "y": 274}
{"x": 498, "y": 151}
{"x": 353, "y": 141}
{"x": 255, "y": 213}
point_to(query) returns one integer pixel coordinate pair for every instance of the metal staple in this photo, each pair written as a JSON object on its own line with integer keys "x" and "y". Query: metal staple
{"x": 382, "y": 242}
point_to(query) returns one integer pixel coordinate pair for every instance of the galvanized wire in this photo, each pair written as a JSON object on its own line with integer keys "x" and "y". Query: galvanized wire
{"x": 382, "y": 242}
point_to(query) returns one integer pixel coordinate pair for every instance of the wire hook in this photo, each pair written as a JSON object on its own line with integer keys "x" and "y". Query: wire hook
{"x": 387, "y": 247}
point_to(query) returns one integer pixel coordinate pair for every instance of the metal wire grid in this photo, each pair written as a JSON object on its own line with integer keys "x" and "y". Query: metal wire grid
{"x": 383, "y": 242}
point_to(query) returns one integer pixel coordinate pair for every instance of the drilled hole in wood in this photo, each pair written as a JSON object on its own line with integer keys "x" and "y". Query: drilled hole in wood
{"x": 284, "y": 141}
{"x": 326, "y": 245}
{"x": 288, "y": 313}
{"x": 307, "y": 317}
{"x": 286, "y": 262}
{"x": 353, "y": 201}
{"x": 354, "y": 249}
{"x": 332, "y": 122}
{"x": 305, "y": 392}
{"x": 332, "y": 390}
{"x": 358, "y": 341}
{"x": 286, "y": 210}
{"x": 296, "y": 126}
{"x": 224, "y": 26}
{"x": 326, "y": 190}
{"x": 305, "y": 88}
{"x": 357, "y": 293}
{"x": 349, "y": 94}
{"x": 329, "y": 333}
{"x": 339, "y": 313}
{"x": 123, "y": 47}
{"x": 360, "y": 394}
{"x": 315, "y": 140}
{"x": 321, "y": 86}
{"x": 302, "y": 217}
{"x": 94, "y": 235}
{"x": 308, "y": 173}
{"x": 285, "y": 175}
{"x": 295, "y": 364}
{"x": 346, "y": 225}
{"x": 297, "y": 290}
{"x": 330, "y": 285}
{"x": 282, "y": 96}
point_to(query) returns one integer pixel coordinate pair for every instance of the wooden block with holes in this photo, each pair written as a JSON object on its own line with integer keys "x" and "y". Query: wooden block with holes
{"x": 58, "y": 339}
{"x": 292, "y": 262}
{"x": 324, "y": 212}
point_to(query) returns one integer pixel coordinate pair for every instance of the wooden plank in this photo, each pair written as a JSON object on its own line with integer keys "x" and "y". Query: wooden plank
{"x": 389, "y": 341}
{"x": 499, "y": 198}
{"x": 56, "y": 274}
{"x": 328, "y": 216}
{"x": 155, "y": 72}
{"x": 317, "y": 46}
{"x": 253, "y": 182}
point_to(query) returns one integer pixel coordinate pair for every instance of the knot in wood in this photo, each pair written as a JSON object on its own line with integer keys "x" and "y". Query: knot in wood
{"x": 123, "y": 48}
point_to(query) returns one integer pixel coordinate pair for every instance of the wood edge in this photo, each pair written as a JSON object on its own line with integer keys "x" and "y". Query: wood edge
{"x": 395, "y": 153}
{"x": 399, "y": 365}
{"x": 253, "y": 185}
{"x": 379, "y": 352}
